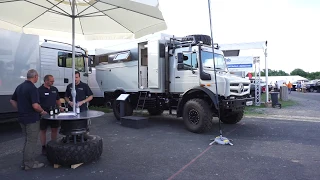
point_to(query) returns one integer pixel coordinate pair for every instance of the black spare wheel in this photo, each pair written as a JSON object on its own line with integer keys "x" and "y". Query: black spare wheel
{"x": 198, "y": 37}
{"x": 116, "y": 109}
{"x": 65, "y": 152}
{"x": 197, "y": 116}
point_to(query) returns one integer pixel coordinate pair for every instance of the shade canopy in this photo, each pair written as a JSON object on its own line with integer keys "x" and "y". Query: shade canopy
{"x": 94, "y": 19}
{"x": 82, "y": 19}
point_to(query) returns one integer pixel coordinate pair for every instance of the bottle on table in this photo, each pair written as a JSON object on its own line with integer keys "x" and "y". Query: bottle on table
{"x": 56, "y": 109}
{"x": 51, "y": 111}
{"x": 66, "y": 107}
{"x": 77, "y": 108}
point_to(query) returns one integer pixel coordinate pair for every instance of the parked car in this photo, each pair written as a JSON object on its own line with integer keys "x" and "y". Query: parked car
{"x": 294, "y": 84}
{"x": 313, "y": 85}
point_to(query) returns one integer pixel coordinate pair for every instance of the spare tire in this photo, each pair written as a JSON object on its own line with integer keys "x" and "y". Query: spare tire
{"x": 116, "y": 109}
{"x": 198, "y": 37}
{"x": 66, "y": 154}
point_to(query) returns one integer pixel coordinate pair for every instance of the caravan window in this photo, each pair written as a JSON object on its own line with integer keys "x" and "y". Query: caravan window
{"x": 121, "y": 56}
{"x": 65, "y": 60}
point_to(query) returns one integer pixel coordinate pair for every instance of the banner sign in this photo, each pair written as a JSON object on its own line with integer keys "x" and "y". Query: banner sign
{"x": 240, "y": 63}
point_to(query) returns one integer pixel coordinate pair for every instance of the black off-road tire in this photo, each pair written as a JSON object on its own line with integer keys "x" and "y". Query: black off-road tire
{"x": 199, "y": 37}
{"x": 232, "y": 118}
{"x": 200, "y": 110}
{"x": 66, "y": 154}
{"x": 311, "y": 90}
{"x": 155, "y": 111}
{"x": 116, "y": 109}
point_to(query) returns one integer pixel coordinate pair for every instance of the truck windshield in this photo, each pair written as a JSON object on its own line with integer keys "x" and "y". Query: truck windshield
{"x": 206, "y": 58}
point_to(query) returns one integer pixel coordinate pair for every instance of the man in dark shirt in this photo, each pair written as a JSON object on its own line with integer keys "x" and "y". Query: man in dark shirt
{"x": 83, "y": 96}
{"x": 26, "y": 100}
{"x": 49, "y": 99}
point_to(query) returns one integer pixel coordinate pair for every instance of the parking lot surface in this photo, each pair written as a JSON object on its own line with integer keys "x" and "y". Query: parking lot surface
{"x": 263, "y": 149}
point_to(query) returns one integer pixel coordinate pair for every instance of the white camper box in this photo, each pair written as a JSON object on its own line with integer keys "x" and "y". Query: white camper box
{"x": 163, "y": 72}
{"x": 118, "y": 66}
{"x": 20, "y": 52}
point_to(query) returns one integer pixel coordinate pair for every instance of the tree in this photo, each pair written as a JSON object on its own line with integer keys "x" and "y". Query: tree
{"x": 314, "y": 75}
{"x": 274, "y": 73}
{"x": 299, "y": 72}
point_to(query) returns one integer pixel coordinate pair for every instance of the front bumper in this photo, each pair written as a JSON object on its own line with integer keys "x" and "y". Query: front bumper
{"x": 235, "y": 104}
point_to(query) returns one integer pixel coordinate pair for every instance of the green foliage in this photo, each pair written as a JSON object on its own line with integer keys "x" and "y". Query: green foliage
{"x": 273, "y": 73}
{"x": 308, "y": 75}
{"x": 297, "y": 71}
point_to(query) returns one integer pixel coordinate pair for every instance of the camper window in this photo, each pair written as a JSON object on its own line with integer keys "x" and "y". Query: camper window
{"x": 65, "y": 60}
{"x": 121, "y": 56}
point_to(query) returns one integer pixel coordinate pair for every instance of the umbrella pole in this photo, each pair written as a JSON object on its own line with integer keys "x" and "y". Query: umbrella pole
{"x": 219, "y": 139}
{"x": 73, "y": 92}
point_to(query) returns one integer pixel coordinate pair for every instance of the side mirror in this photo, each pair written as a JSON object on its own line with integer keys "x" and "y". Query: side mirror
{"x": 180, "y": 66}
{"x": 182, "y": 57}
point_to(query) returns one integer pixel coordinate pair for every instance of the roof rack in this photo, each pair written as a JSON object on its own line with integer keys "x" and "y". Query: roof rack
{"x": 46, "y": 40}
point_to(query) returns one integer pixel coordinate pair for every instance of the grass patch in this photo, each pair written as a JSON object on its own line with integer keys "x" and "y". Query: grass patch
{"x": 287, "y": 103}
{"x": 100, "y": 108}
{"x": 254, "y": 110}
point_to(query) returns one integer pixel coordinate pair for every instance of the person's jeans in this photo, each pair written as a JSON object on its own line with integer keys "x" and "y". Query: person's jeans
{"x": 31, "y": 132}
{"x": 289, "y": 90}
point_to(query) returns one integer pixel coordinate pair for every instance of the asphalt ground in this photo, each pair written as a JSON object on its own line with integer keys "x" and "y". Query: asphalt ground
{"x": 263, "y": 149}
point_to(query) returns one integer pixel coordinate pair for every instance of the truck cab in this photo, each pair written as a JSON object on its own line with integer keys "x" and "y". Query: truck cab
{"x": 56, "y": 59}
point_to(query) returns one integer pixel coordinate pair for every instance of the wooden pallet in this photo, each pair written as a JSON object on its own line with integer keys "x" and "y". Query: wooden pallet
{"x": 72, "y": 166}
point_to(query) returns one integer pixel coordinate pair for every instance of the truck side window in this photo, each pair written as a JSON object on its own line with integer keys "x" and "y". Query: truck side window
{"x": 65, "y": 60}
{"x": 187, "y": 63}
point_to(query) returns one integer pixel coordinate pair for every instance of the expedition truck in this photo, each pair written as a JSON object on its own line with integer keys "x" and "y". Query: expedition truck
{"x": 163, "y": 72}
{"x": 20, "y": 52}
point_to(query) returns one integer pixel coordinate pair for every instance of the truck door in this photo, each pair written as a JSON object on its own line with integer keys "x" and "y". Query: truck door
{"x": 153, "y": 64}
{"x": 79, "y": 66}
{"x": 184, "y": 77}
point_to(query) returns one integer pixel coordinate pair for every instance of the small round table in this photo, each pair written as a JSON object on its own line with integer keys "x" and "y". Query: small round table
{"x": 74, "y": 124}
{"x": 77, "y": 146}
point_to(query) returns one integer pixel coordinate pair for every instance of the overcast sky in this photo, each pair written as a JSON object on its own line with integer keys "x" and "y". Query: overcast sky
{"x": 291, "y": 27}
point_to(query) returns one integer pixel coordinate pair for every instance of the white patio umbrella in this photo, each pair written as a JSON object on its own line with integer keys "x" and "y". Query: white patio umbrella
{"x": 84, "y": 19}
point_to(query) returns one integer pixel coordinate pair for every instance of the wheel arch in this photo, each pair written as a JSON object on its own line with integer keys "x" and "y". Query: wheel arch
{"x": 196, "y": 92}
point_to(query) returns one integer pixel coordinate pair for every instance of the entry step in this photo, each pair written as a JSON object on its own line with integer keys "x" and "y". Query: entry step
{"x": 136, "y": 122}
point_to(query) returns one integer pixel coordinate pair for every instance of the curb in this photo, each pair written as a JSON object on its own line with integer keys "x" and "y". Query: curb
{"x": 288, "y": 118}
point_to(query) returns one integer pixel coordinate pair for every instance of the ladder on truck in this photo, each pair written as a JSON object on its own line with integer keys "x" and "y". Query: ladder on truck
{"x": 141, "y": 100}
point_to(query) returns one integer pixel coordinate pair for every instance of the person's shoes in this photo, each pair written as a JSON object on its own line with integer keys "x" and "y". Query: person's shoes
{"x": 44, "y": 151}
{"x": 36, "y": 165}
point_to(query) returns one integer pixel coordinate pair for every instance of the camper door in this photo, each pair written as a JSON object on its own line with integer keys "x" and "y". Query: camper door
{"x": 153, "y": 64}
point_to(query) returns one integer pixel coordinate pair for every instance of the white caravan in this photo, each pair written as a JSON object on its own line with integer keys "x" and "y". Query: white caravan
{"x": 21, "y": 52}
{"x": 163, "y": 72}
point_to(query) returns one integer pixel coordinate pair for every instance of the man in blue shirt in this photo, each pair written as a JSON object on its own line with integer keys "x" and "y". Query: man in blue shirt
{"x": 83, "y": 96}
{"x": 49, "y": 99}
{"x": 26, "y": 100}
{"x": 84, "y": 93}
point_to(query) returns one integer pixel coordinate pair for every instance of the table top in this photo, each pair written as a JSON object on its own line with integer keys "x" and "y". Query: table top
{"x": 70, "y": 116}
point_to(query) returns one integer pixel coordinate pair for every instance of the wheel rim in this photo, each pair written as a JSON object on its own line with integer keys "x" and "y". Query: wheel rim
{"x": 194, "y": 116}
